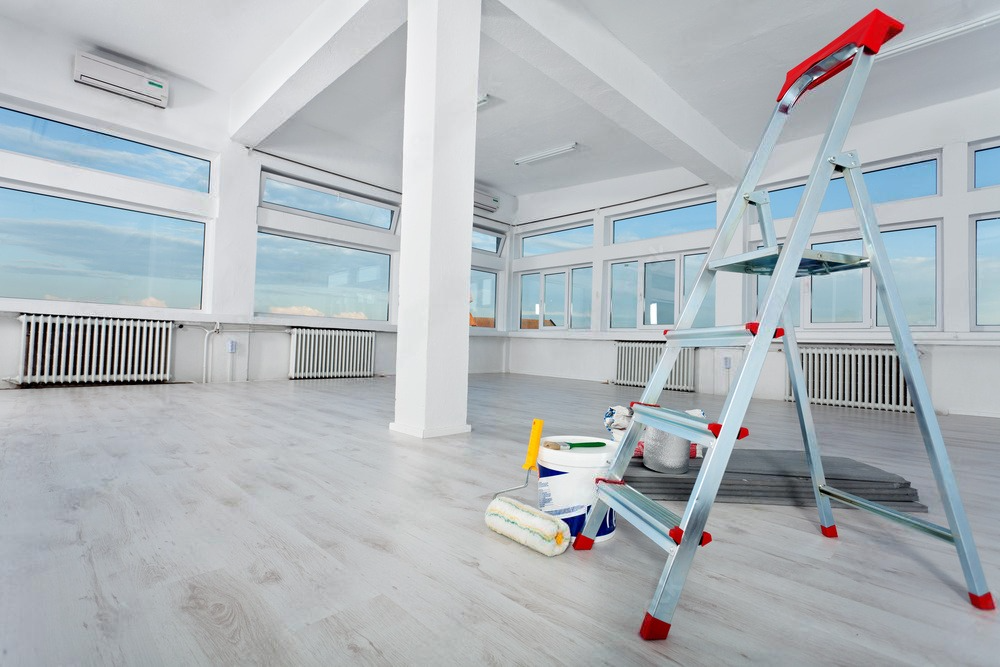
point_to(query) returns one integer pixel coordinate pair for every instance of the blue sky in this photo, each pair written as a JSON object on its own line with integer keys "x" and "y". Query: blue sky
{"x": 566, "y": 239}
{"x": 52, "y": 248}
{"x": 664, "y": 223}
{"x": 30, "y": 135}
{"x": 326, "y": 203}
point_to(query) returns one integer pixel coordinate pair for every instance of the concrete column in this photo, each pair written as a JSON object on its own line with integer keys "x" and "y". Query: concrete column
{"x": 439, "y": 161}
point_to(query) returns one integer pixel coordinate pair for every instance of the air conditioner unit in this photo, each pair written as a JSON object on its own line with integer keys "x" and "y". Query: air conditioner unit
{"x": 485, "y": 202}
{"x": 117, "y": 78}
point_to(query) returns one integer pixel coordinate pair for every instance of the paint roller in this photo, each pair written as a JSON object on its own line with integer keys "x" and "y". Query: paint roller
{"x": 523, "y": 523}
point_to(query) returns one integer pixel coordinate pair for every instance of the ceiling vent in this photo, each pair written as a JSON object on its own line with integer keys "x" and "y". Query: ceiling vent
{"x": 485, "y": 202}
{"x": 121, "y": 79}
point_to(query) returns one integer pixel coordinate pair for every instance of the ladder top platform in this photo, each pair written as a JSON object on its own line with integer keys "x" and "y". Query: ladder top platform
{"x": 814, "y": 262}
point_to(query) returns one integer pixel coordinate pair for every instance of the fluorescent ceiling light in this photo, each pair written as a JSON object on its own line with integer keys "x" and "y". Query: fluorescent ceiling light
{"x": 543, "y": 155}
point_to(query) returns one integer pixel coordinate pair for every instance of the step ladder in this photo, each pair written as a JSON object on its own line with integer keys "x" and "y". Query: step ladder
{"x": 681, "y": 536}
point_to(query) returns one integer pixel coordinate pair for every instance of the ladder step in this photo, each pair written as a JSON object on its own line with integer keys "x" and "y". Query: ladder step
{"x": 937, "y": 531}
{"x": 814, "y": 262}
{"x": 689, "y": 427}
{"x": 651, "y": 518}
{"x": 738, "y": 335}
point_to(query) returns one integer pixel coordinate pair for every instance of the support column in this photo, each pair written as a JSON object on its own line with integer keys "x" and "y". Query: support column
{"x": 439, "y": 161}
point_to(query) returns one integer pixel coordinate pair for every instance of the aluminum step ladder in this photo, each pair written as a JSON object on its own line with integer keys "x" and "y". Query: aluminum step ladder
{"x": 680, "y": 536}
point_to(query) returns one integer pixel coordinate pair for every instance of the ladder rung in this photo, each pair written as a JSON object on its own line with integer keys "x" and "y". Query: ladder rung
{"x": 937, "y": 531}
{"x": 651, "y": 518}
{"x": 728, "y": 336}
{"x": 689, "y": 427}
{"x": 814, "y": 262}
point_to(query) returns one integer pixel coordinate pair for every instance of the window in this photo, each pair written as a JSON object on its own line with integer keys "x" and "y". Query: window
{"x": 659, "y": 292}
{"x": 988, "y": 272}
{"x": 581, "y": 288}
{"x": 624, "y": 295}
{"x": 487, "y": 241}
{"x": 299, "y": 277}
{"x": 560, "y": 241}
{"x": 67, "y": 250}
{"x": 483, "y": 299}
{"x": 846, "y": 297}
{"x": 554, "y": 299}
{"x": 794, "y": 300}
{"x": 907, "y": 181}
{"x": 664, "y": 223}
{"x": 531, "y": 292}
{"x": 706, "y": 314}
{"x": 986, "y": 167}
{"x": 51, "y": 140}
{"x": 283, "y": 193}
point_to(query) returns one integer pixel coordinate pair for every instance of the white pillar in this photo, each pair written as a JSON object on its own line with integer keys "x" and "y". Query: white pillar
{"x": 439, "y": 161}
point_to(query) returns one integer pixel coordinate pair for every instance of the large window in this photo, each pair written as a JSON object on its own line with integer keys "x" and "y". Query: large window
{"x": 659, "y": 292}
{"x": 624, "y": 295}
{"x": 482, "y": 299}
{"x": 988, "y": 272}
{"x": 918, "y": 179}
{"x": 987, "y": 167}
{"x": 40, "y": 137}
{"x": 67, "y": 250}
{"x": 665, "y": 285}
{"x": 706, "y": 314}
{"x": 559, "y": 241}
{"x": 581, "y": 288}
{"x": 282, "y": 193}
{"x": 557, "y": 299}
{"x": 848, "y": 297}
{"x": 664, "y": 223}
{"x": 531, "y": 307}
{"x": 298, "y": 277}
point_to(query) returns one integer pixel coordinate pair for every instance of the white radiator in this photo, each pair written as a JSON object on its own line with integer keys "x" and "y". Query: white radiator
{"x": 855, "y": 377}
{"x": 73, "y": 350}
{"x": 636, "y": 362}
{"x": 331, "y": 353}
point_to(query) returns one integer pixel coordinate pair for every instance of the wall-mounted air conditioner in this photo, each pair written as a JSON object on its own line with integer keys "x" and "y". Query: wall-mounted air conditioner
{"x": 117, "y": 78}
{"x": 485, "y": 202}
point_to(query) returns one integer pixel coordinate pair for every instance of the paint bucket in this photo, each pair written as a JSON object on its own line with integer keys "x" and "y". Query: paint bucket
{"x": 566, "y": 477}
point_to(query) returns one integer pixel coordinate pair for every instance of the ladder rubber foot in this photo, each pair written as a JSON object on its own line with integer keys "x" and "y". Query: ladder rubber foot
{"x": 653, "y": 628}
{"x": 677, "y": 534}
{"x": 583, "y": 543}
{"x": 831, "y": 531}
{"x": 984, "y": 601}
{"x": 716, "y": 428}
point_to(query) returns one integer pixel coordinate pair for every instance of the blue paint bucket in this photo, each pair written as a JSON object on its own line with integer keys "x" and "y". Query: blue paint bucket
{"x": 566, "y": 477}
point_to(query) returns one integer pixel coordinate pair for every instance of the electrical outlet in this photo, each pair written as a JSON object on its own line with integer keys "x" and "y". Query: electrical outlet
{"x": 231, "y": 346}
{"x": 727, "y": 362}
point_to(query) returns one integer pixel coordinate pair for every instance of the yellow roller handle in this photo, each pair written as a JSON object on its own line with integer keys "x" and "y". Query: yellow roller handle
{"x": 531, "y": 460}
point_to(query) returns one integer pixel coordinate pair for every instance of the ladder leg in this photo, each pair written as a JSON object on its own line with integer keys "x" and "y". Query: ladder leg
{"x": 961, "y": 532}
{"x": 585, "y": 539}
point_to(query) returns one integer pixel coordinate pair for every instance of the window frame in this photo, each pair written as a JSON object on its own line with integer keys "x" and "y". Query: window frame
{"x": 266, "y": 174}
{"x": 680, "y": 299}
{"x": 499, "y": 235}
{"x": 496, "y": 297}
{"x": 567, "y": 226}
{"x": 975, "y": 147}
{"x": 567, "y": 272}
{"x": 974, "y": 221}
{"x": 613, "y": 220}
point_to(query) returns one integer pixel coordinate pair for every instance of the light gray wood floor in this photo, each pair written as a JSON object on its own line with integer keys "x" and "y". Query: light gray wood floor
{"x": 283, "y": 523}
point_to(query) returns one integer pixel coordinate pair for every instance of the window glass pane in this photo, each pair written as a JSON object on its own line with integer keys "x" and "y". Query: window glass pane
{"x": 624, "y": 294}
{"x": 659, "y": 282}
{"x": 483, "y": 299}
{"x": 706, "y": 315}
{"x": 988, "y": 272}
{"x": 913, "y": 258}
{"x": 531, "y": 286}
{"x": 486, "y": 241}
{"x": 66, "y": 250}
{"x": 582, "y": 280}
{"x": 566, "y": 239}
{"x": 39, "y": 137}
{"x": 884, "y": 185}
{"x": 298, "y": 277}
{"x": 987, "y": 167}
{"x": 326, "y": 203}
{"x": 555, "y": 300}
{"x": 664, "y": 223}
{"x": 838, "y": 296}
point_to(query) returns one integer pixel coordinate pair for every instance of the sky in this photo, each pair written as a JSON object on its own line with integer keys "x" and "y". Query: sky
{"x": 326, "y": 203}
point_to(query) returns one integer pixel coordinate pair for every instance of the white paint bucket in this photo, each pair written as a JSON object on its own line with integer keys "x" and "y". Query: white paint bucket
{"x": 566, "y": 477}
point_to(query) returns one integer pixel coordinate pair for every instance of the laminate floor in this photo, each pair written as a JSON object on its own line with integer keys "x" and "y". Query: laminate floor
{"x": 283, "y": 523}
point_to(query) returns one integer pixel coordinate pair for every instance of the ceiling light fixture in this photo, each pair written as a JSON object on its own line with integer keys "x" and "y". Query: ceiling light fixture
{"x": 544, "y": 155}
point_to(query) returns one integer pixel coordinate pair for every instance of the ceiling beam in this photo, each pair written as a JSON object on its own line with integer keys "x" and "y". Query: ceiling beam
{"x": 579, "y": 53}
{"x": 330, "y": 42}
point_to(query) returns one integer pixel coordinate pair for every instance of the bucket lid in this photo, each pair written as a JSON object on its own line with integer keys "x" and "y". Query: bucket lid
{"x": 580, "y": 457}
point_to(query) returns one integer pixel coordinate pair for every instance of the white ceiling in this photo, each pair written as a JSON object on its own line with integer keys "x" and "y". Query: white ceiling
{"x": 725, "y": 59}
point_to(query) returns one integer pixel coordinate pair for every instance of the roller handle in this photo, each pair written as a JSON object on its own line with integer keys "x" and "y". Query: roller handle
{"x": 870, "y": 33}
{"x": 531, "y": 459}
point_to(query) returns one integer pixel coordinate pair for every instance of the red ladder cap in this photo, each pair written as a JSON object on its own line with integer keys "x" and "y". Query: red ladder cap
{"x": 653, "y": 628}
{"x": 677, "y": 534}
{"x": 984, "y": 601}
{"x": 716, "y": 428}
{"x": 583, "y": 543}
{"x": 648, "y": 405}
{"x": 754, "y": 327}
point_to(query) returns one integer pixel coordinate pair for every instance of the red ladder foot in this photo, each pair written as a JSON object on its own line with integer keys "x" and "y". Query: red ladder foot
{"x": 653, "y": 628}
{"x": 984, "y": 601}
{"x": 829, "y": 531}
{"x": 582, "y": 543}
